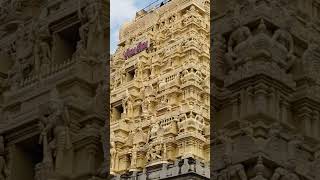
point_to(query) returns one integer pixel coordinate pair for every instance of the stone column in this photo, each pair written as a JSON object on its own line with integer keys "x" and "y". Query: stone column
{"x": 250, "y": 101}
{"x": 91, "y": 160}
{"x": 305, "y": 120}
{"x": 272, "y": 104}
{"x": 284, "y": 110}
{"x": 261, "y": 98}
{"x": 235, "y": 108}
{"x": 243, "y": 103}
{"x": 315, "y": 124}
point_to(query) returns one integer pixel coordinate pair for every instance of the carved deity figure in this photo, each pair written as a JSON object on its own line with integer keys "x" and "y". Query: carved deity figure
{"x": 91, "y": 31}
{"x": 293, "y": 146}
{"x": 4, "y": 171}
{"x": 24, "y": 47}
{"x": 113, "y": 153}
{"x": 146, "y": 105}
{"x": 285, "y": 174}
{"x": 310, "y": 62}
{"x": 238, "y": 39}
{"x": 155, "y": 152}
{"x": 231, "y": 170}
{"x": 15, "y": 75}
{"x": 43, "y": 55}
{"x": 56, "y": 122}
{"x": 134, "y": 151}
{"x": 127, "y": 104}
{"x": 283, "y": 37}
{"x": 154, "y": 130}
{"x": 42, "y": 50}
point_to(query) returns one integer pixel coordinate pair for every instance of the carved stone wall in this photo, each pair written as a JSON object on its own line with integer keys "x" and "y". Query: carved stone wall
{"x": 53, "y": 92}
{"x": 160, "y": 91}
{"x": 266, "y": 89}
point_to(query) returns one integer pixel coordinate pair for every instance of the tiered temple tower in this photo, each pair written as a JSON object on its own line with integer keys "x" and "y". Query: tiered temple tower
{"x": 265, "y": 78}
{"x": 160, "y": 93}
{"x": 52, "y": 89}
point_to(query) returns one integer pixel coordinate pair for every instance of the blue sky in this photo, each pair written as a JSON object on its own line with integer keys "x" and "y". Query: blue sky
{"x": 120, "y": 12}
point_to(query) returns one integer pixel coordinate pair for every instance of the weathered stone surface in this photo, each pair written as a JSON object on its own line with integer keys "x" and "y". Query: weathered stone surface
{"x": 266, "y": 118}
{"x": 53, "y": 91}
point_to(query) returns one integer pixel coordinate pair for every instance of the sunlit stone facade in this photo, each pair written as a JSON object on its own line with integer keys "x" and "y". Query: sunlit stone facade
{"x": 160, "y": 84}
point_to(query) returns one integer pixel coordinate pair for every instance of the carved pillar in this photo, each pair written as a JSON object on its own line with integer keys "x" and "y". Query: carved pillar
{"x": 277, "y": 106}
{"x": 235, "y": 107}
{"x": 218, "y": 49}
{"x": 244, "y": 102}
{"x": 250, "y": 101}
{"x": 315, "y": 124}
{"x": 91, "y": 159}
{"x": 284, "y": 108}
{"x": 305, "y": 120}
{"x": 272, "y": 104}
{"x": 261, "y": 98}
{"x": 170, "y": 150}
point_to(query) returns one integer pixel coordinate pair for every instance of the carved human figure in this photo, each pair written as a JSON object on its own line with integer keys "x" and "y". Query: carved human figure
{"x": 231, "y": 170}
{"x": 15, "y": 75}
{"x": 113, "y": 153}
{"x": 309, "y": 59}
{"x": 42, "y": 50}
{"x": 56, "y": 120}
{"x": 285, "y": 174}
{"x": 91, "y": 29}
{"x": 154, "y": 152}
{"x": 127, "y": 104}
{"x": 293, "y": 146}
{"x": 238, "y": 39}
{"x": 134, "y": 151}
{"x": 24, "y": 46}
{"x": 146, "y": 105}
{"x": 130, "y": 107}
{"x": 283, "y": 37}
{"x": 43, "y": 55}
{"x": 4, "y": 171}
{"x": 154, "y": 130}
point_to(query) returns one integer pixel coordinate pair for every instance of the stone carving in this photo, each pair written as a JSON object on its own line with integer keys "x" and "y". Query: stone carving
{"x": 315, "y": 171}
{"x": 248, "y": 84}
{"x": 24, "y": 48}
{"x": 231, "y": 171}
{"x": 237, "y": 41}
{"x": 55, "y": 120}
{"x": 156, "y": 152}
{"x": 134, "y": 151}
{"x": 281, "y": 173}
{"x": 310, "y": 59}
{"x": 283, "y": 37}
{"x": 159, "y": 97}
{"x": 15, "y": 75}
{"x": 4, "y": 171}
{"x": 91, "y": 31}
{"x": 42, "y": 49}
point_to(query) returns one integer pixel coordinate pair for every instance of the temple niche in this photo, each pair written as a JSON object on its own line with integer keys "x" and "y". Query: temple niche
{"x": 266, "y": 89}
{"x": 52, "y": 90}
{"x": 160, "y": 93}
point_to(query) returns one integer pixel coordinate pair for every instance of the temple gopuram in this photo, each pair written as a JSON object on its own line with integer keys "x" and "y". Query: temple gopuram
{"x": 160, "y": 93}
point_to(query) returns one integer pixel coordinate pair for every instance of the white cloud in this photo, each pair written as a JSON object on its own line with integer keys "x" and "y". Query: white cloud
{"x": 120, "y": 12}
